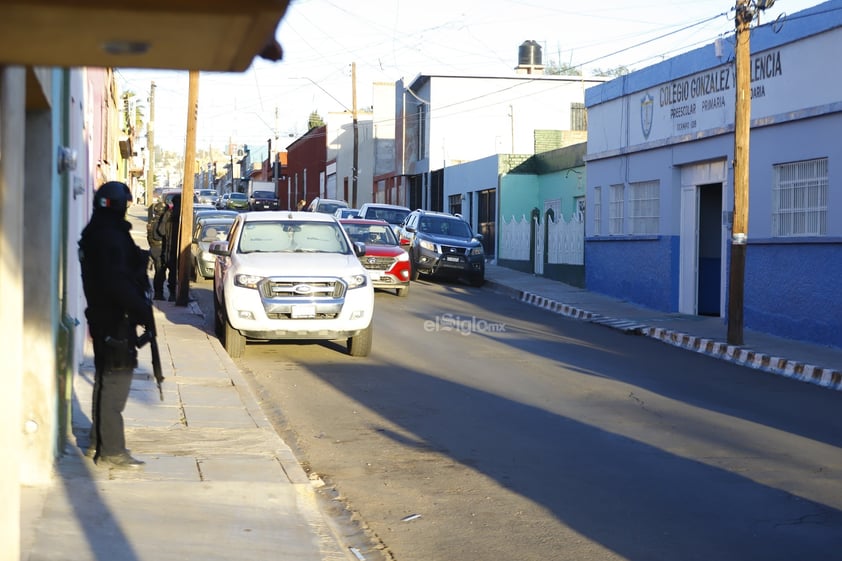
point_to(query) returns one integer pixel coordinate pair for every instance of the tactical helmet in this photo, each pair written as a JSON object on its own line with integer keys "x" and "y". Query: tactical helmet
{"x": 114, "y": 196}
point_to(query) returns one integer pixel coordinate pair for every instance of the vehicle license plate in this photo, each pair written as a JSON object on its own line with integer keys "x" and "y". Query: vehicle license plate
{"x": 300, "y": 311}
{"x": 452, "y": 258}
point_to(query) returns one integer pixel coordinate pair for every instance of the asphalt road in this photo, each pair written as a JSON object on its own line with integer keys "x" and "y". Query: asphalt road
{"x": 481, "y": 428}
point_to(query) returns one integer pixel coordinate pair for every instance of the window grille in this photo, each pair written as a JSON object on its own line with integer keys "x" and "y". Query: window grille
{"x": 644, "y": 207}
{"x": 799, "y": 198}
{"x": 455, "y": 204}
{"x": 615, "y": 210}
{"x": 578, "y": 117}
{"x": 597, "y": 211}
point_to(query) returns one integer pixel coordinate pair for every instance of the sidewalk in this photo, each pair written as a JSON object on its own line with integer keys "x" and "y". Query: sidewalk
{"x": 708, "y": 335}
{"x": 218, "y": 483}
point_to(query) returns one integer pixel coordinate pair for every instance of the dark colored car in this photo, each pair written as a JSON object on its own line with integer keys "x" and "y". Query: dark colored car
{"x": 263, "y": 200}
{"x": 441, "y": 244}
{"x": 386, "y": 261}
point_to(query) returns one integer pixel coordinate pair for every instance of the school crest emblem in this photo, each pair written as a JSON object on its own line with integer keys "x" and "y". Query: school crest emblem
{"x": 647, "y": 112}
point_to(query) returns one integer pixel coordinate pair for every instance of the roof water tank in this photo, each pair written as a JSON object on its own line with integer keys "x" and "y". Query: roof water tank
{"x": 529, "y": 54}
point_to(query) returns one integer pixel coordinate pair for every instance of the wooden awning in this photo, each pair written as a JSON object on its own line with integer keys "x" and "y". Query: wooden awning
{"x": 205, "y": 35}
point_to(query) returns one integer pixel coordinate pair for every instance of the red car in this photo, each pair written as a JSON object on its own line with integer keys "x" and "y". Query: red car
{"x": 385, "y": 260}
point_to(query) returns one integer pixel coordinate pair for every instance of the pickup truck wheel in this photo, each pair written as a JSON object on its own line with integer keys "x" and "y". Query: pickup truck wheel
{"x": 235, "y": 343}
{"x": 360, "y": 344}
{"x": 478, "y": 280}
{"x": 413, "y": 272}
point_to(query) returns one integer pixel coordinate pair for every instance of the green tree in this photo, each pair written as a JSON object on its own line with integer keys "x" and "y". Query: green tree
{"x": 554, "y": 68}
{"x": 314, "y": 121}
{"x": 612, "y": 72}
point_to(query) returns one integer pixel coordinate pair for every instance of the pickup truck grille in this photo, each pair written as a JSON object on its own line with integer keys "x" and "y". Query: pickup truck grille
{"x": 453, "y": 250}
{"x": 303, "y": 288}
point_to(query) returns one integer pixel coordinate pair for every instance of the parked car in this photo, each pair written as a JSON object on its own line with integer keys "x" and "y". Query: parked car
{"x": 263, "y": 200}
{"x": 345, "y": 212}
{"x": 222, "y": 201}
{"x": 201, "y": 207}
{"x": 213, "y": 213}
{"x": 326, "y": 206}
{"x": 206, "y": 231}
{"x": 393, "y": 214}
{"x": 237, "y": 201}
{"x": 441, "y": 244}
{"x": 386, "y": 261}
{"x": 291, "y": 275}
{"x": 207, "y": 196}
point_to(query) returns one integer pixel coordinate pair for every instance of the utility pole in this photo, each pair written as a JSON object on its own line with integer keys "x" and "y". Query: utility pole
{"x": 745, "y": 12}
{"x": 186, "y": 221}
{"x": 356, "y": 161}
{"x": 150, "y": 147}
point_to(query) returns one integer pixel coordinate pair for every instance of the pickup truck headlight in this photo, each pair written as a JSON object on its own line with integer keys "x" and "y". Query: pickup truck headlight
{"x": 428, "y": 245}
{"x": 356, "y": 281}
{"x": 247, "y": 281}
{"x": 476, "y": 251}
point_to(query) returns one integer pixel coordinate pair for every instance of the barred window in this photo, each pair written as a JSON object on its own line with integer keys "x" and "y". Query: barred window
{"x": 644, "y": 207}
{"x": 455, "y": 204}
{"x": 799, "y": 198}
{"x": 597, "y": 211}
{"x": 578, "y": 117}
{"x": 615, "y": 210}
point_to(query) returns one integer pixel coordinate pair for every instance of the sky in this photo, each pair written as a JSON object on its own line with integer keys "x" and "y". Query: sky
{"x": 386, "y": 40}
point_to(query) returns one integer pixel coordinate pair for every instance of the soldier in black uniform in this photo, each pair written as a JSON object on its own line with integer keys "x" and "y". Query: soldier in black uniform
{"x": 116, "y": 288}
{"x": 155, "y": 239}
{"x": 168, "y": 229}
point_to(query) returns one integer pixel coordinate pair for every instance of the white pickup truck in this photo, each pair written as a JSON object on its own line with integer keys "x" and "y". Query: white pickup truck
{"x": 291, "y": 275}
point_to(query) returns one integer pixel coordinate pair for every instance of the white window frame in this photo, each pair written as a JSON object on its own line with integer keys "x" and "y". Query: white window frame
{"x": 616, "y": 205}
{"x": 644, "y": 206}
{"x": 799, "y": 198}
{"x": 597, "y": 211}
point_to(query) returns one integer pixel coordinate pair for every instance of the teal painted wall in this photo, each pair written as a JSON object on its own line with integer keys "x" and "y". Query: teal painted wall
{"x": 520, "y": 193}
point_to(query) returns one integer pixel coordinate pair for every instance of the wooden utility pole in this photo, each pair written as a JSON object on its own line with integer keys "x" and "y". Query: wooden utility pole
{"x": 150, "y": 147}
{"x": 186, "y": 221}
{"x": 356, "y": 161}
{"x": 742, "y": 126}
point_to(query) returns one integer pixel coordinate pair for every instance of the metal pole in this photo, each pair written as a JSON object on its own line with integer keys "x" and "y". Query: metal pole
{"x": 354, "y": 173}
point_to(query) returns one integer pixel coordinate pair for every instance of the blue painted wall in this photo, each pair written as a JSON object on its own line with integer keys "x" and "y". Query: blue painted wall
{"x": 641, "y": 270}
{"x": 794, "y": 290}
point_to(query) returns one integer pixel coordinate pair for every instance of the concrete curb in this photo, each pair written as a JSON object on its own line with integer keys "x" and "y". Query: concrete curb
{"x": 797, "y": 370}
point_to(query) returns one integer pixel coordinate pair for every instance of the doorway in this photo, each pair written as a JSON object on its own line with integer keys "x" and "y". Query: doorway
{"x": 702, "y": 239}
{"x": 710, "y": 252}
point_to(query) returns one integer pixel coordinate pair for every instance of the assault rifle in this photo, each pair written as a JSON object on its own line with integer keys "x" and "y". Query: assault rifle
{"x": 148, "y": 336}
